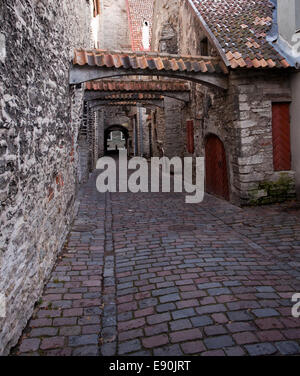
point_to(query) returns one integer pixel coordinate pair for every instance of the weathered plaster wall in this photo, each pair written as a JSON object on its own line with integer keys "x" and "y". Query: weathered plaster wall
{"x": 165, "y": 26}
{"x": 114, "y": 26}
{"x": 39, "y": 122}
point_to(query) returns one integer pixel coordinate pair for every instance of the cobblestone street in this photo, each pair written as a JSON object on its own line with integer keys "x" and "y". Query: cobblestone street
{"x": 147, "y": 274}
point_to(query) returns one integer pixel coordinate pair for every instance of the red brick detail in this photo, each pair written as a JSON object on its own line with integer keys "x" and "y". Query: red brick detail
{"x": 281, "y": 136}
{"x": 139, "y": 11}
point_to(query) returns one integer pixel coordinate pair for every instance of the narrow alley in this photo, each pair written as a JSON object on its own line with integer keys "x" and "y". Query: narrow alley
{"x": 147, "y": 274}
{"x": 208, "y": 91}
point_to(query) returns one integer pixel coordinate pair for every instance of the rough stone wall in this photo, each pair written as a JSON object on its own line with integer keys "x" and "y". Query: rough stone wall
{"x": 174, "y": 133}
{"x": 213, "y": 112}
{"x": 176, "y": 29}
{"x": 165, "y": 26}
{"x": 158, "y": 132}
{"x": 191, "y": 32}
{"x": 83, "y": 152}
{"x": 39, "y": 122}
{"x": 254, "y": 168}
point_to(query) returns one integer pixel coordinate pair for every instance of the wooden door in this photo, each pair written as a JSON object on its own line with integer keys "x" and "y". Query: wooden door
{"x": 216, "y": 168}
{"x": 281, "y": 136}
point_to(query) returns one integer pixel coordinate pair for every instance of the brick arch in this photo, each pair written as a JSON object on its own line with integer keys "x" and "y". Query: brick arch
{"x": 217, "y": 182}
{"x": 89, "y": 65}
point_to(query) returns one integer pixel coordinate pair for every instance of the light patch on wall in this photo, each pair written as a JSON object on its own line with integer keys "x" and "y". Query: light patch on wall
{"x": 146, "y": 35}
{"x": 95, "y": 27}
{"x": 2, "y": 48}
{"x": 95, "y": 30}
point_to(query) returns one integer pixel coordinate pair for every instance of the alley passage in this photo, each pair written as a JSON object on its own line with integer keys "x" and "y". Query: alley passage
{"x": 147, "y": 274}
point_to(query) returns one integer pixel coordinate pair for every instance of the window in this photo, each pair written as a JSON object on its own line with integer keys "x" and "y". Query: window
{"x": 281, "y": 136}
{"x": 204, "y": 47}
{"x": 297, "y": 14}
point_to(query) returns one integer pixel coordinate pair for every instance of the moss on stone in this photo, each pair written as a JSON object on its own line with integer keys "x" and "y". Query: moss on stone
{"x": 275, "y": 191}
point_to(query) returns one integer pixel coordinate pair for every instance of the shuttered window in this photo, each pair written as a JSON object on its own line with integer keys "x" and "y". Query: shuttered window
{"x": 281, "y": 136}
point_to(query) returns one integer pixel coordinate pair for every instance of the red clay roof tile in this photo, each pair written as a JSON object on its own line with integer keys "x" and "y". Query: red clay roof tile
{"x": 134, "y": 86}
{"x": 150, "y": 61}
{"x": 241, "y": 27}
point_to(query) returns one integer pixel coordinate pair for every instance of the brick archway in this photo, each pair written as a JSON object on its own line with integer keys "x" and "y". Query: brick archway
{"x": 216, "y": 167}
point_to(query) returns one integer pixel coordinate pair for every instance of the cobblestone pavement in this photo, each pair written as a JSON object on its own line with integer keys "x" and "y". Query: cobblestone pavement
{"x": 147, "y": 274}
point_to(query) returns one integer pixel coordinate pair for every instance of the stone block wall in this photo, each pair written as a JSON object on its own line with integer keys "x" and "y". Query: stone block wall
{"x": 174, "y": 131}
{"x": 241, "y": 116}
{"x": 39, "y": 122}
{"x": 254, "y": 171}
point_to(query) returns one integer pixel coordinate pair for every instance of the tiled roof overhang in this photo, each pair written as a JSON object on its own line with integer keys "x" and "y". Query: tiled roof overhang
{"x": 103, "y": 89}
{"x": 153, "y": 103}
{"x": 239, "y": 29}
{"x": 132, "y": 96}
{"x": 137, "y": 86}
{"x": 98, "y": 64}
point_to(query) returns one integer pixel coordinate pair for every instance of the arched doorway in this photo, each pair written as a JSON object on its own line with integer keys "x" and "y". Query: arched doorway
{"x": 115, "y": 139}
{"x": 216, "y": 167}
